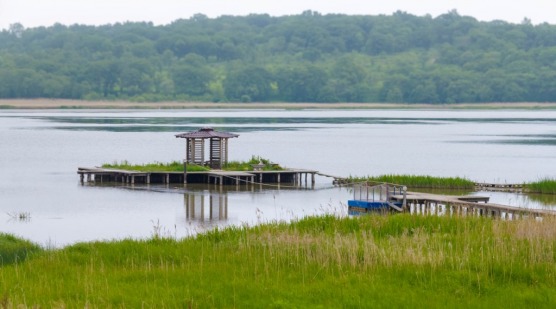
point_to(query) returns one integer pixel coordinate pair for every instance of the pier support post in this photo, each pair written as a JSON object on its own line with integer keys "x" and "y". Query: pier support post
{"x": 81, "y": 177}
{"x": 184, "y": 171}
{"x": 312, "y": 178}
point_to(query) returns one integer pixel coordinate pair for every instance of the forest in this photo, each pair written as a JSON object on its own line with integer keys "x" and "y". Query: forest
{"x": 310, "y": 57}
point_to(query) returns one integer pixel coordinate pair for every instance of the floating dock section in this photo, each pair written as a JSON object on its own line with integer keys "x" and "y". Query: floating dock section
{"x": 219, "y": 177}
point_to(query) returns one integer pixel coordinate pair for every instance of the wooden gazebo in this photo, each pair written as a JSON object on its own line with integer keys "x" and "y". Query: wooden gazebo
{"x": 195, "y": 147}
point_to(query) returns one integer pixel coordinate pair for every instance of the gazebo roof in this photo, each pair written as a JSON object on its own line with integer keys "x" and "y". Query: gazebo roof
{"x": 206, "y": 133}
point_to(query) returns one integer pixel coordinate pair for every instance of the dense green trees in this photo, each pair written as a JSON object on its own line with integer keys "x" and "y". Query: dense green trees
{"x": 303, "y": 58}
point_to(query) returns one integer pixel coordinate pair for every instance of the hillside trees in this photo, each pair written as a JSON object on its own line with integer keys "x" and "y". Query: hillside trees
{"x": 300, "y": 58}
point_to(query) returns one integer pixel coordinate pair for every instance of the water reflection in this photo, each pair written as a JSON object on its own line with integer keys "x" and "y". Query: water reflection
{"x": 543, "y": 199}
{"x": 206, "y": 206}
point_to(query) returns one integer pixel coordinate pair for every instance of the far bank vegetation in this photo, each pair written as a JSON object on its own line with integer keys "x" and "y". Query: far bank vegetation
{"x": 310, "y": 57}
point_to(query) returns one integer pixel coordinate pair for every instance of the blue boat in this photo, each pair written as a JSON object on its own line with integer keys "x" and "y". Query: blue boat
{"x": 377, "y": 198}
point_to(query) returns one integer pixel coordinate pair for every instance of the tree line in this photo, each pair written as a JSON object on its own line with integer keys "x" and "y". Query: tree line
{"x": 308, "y": 57}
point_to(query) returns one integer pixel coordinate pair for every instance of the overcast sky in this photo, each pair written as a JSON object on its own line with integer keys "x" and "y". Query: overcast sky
{"x": 33, "y": 13}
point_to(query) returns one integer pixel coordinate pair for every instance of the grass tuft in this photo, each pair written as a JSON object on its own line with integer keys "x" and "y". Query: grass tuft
{"x": 15, "y": 250}
{"x": 248, "y": 165}
{"x": 176, "y": 166}
{"x": 417, "y": 181}
{"x": 543, "y": 186}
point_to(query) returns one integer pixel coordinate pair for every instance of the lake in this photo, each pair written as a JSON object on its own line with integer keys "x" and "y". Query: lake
{"x": 41, "y": 150}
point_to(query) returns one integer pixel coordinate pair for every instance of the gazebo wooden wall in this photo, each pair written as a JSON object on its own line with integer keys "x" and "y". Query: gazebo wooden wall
{"x": 218, "y": 148}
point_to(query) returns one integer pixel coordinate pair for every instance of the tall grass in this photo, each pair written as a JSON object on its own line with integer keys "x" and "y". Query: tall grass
{"x": 367, "y": 261}
{"x": 14, "y": 249}
{"x": 543, "y": 186}
{"x": 417, "y": 181}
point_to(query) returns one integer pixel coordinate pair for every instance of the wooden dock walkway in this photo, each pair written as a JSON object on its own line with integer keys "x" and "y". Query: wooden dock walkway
{"x": 288, "y": 176}
{"x": 426, "y": 203}
{"x": 387, "y": 197}
{"x": 499, "y": 187}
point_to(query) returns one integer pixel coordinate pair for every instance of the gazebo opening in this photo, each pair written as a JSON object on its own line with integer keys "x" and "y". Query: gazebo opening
{"x": 218, "y": 147}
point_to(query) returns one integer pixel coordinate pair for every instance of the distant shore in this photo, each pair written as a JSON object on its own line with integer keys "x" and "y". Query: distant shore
{"x": 81, "y": 104}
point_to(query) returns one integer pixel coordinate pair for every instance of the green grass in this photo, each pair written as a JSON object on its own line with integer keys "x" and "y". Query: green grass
{"x": 13, "y": 249}
{"x": 543, "y": 186}
{"x": 247, "y": 165}
{"x": 416, "y": 181}
{"x": 174, "y": 166}
{"x": 177, "y": 166}
{"x": 370, "y": 261}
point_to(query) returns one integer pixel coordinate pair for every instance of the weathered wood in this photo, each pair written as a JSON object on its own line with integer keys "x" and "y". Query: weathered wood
{"x": 471, "y": 204}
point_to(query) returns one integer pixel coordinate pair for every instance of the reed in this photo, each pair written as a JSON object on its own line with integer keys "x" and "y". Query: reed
{"x": 367, "y": 261}
{"x": 418, "y": 181}
{"x": 543, "y": 186}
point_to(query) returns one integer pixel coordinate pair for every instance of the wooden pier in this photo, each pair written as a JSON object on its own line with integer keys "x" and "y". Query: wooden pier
{"x": 499, "y": 187}
{"x": 425, "y": 203}
{"x": 289, "y": 176}
{"x": 395, "y": 198}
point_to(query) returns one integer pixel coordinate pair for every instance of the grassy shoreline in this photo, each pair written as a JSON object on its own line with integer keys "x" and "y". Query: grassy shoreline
{"x": 8, "y": 104}
{"x": 367, "y": 261}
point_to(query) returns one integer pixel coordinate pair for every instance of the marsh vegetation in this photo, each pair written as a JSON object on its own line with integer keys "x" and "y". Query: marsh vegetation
{"x": 419, "y": 181}
{"x": 366, "y": 261}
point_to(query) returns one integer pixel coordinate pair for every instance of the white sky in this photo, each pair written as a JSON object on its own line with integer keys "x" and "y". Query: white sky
{"x": 33, "y": 13}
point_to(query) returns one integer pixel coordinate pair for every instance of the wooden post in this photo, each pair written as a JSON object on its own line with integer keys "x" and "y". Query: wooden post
{"x": 278, "y": 180}
{"x": 312, "y": 178}
{"x": 184, "y": 171}
{"x": 149, "y": 179}
{"x": 404, "y": 203}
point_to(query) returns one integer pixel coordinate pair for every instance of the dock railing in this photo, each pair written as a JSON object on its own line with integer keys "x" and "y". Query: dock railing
{"x": 378, "y": 193}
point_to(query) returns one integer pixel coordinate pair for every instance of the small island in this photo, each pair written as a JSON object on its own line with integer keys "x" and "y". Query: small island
{"x": 195, "y": 169}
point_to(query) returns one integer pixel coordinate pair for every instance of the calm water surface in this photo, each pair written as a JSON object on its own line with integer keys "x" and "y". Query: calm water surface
{"x": 40, "y": 153}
